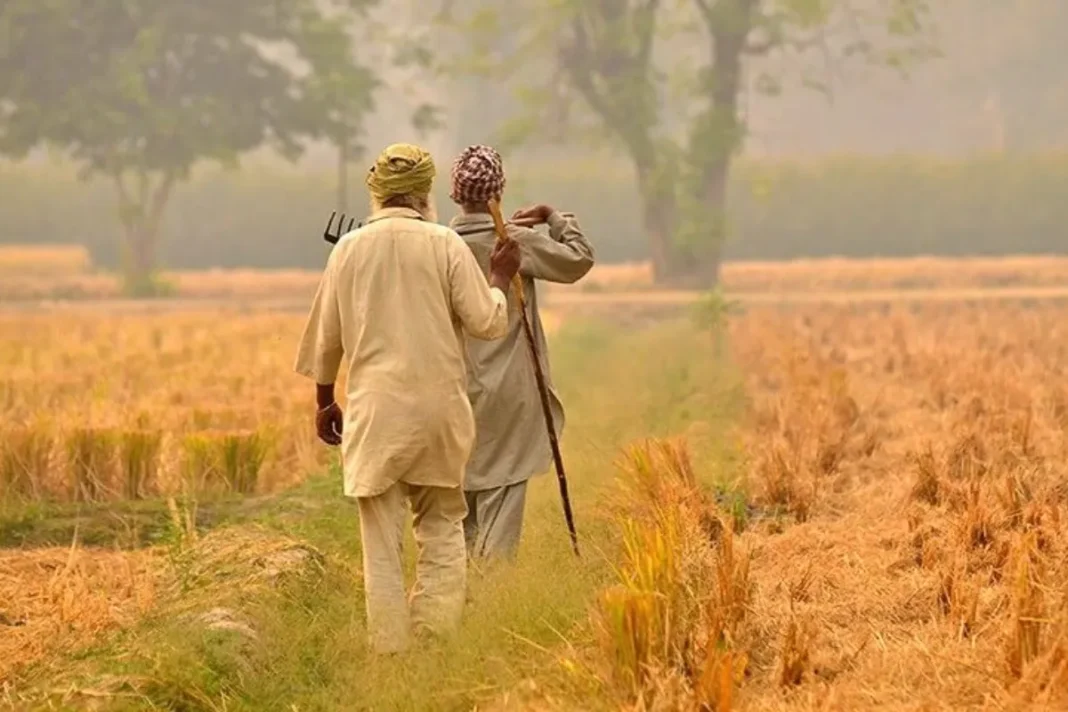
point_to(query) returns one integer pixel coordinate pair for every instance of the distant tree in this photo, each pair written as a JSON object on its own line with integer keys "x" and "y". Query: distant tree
{"x": 664, "y": 80}
{"x": 141, "y": 91}
{"x": 398, "y": 39}
{"x": 339, "y": 93}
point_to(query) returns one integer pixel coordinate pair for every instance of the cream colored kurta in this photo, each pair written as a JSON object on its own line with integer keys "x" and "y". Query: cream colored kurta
{"x": 397, "y": 296}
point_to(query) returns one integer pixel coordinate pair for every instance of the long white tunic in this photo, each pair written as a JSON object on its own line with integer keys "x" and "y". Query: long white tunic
{"x": 396, "y": 297}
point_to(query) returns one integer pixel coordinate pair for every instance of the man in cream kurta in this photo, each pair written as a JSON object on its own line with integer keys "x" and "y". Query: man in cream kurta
{"x": 397, "y": 297}
{"x": 512, "y": 441}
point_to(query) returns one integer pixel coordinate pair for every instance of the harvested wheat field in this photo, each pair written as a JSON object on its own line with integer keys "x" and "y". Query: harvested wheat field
{"x": 65, "y": 273}
{"x": 834, "y": 507}
{"x": 921, "y": 457}
{"x": 98, "y": 406}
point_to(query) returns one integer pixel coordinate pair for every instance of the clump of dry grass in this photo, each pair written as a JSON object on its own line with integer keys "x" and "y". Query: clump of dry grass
{"x": 801, "y": 441}
{"x": 1043, "y": 682}
{"x": 795, "y": 664}
{"x": 677, "y": 611}
{"x": 995, "y": 520}
{"x": 928, "y": 487}
{"x": 92, "y": 464}
{"x": 25, "y": 459}
{"x": 1028, "y": 606}
{"x": 785, "y": 482}
{"x": 56, "y": 600}
{"x": 208, "y": 566}
{"x": 796, "y": 654}
{"x": 958, "y": 597}
{"x": 243, "y": 455}
{"x": 140, "y": 460}
{"x": 224, "y": 461}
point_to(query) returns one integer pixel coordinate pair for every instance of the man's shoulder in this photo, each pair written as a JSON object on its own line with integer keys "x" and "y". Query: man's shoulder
{"x": 471, "y": 228}
{"x": 446, "y": 233}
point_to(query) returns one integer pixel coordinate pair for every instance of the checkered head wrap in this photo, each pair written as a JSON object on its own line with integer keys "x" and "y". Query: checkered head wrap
{"x": 477, "y": 176}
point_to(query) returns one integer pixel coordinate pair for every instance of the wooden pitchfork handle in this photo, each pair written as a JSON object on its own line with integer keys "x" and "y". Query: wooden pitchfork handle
{"x": 539, "y": 376}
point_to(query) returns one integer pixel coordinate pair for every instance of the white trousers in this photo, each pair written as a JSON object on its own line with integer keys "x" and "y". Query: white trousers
{"x": 437, "y": 598}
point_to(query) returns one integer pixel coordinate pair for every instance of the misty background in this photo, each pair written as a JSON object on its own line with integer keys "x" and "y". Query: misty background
{"x": 957, "y": 149}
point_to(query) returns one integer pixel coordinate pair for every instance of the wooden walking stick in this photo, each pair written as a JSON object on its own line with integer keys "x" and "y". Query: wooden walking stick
{"x": 539, "y": 376}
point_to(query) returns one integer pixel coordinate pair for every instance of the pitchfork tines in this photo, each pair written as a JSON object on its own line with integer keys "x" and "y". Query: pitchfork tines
{"x": 333, "y": 237}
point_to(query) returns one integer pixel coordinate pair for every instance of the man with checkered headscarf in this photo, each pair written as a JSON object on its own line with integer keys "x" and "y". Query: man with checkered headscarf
{"x": 511, "y": 441}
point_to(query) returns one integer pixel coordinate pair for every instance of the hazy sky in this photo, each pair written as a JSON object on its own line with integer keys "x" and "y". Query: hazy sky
{"x": 1001, "y": 82}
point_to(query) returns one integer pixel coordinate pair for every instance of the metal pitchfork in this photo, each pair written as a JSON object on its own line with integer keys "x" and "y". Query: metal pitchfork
{"x": 333, "y": 237}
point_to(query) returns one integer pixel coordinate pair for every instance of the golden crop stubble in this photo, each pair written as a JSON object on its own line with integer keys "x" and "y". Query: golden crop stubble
{"x": 966, "y": 406}
{"x": 968, "y": 401}
{"x": 672, "y": 626}
{"x": 101, "y": 405}
{"x": 25, "y": 460}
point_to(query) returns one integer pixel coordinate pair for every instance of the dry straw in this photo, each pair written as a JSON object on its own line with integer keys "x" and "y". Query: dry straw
{"x": 683, "y": 589}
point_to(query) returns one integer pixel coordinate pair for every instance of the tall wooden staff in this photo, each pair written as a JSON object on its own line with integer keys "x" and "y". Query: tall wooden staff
{"x": 539, "y": 376}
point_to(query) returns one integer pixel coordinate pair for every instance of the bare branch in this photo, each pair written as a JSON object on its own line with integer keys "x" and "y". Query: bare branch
{"x": 603, "y": 71}
{"x": 577, "y": 56}
{"x": 647, "y": 32}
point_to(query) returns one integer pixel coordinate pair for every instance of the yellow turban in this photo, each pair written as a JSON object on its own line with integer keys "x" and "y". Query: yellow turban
{"x": 401, "y": 169}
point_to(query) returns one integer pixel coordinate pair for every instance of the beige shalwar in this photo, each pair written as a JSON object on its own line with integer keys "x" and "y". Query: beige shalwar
{"x": 397, "y": 297}
{"x": 511, "y": 441}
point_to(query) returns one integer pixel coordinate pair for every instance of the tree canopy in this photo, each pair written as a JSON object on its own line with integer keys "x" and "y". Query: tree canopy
{"x": 664, "y": 80}
{"x": 140, "y": 91}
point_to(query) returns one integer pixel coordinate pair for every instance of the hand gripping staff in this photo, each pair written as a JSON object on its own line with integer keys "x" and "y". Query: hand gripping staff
{"x": 539, "y": 376}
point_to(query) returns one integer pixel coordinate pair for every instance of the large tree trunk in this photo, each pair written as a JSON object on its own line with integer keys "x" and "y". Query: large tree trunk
{"x": 658, "y": 219}
{"x": 716, "y": 183}
{"x": 142, "y": 218}
{"x": 717, "y": 136}
{"x": 140, "y": 240}
{"x": 140, "y": 249}
{"x": 695, "y": 260}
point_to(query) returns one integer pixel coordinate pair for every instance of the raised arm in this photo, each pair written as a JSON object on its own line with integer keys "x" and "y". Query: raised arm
{"x": 565, "y": 255}
{"x": 481, "y": 306}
